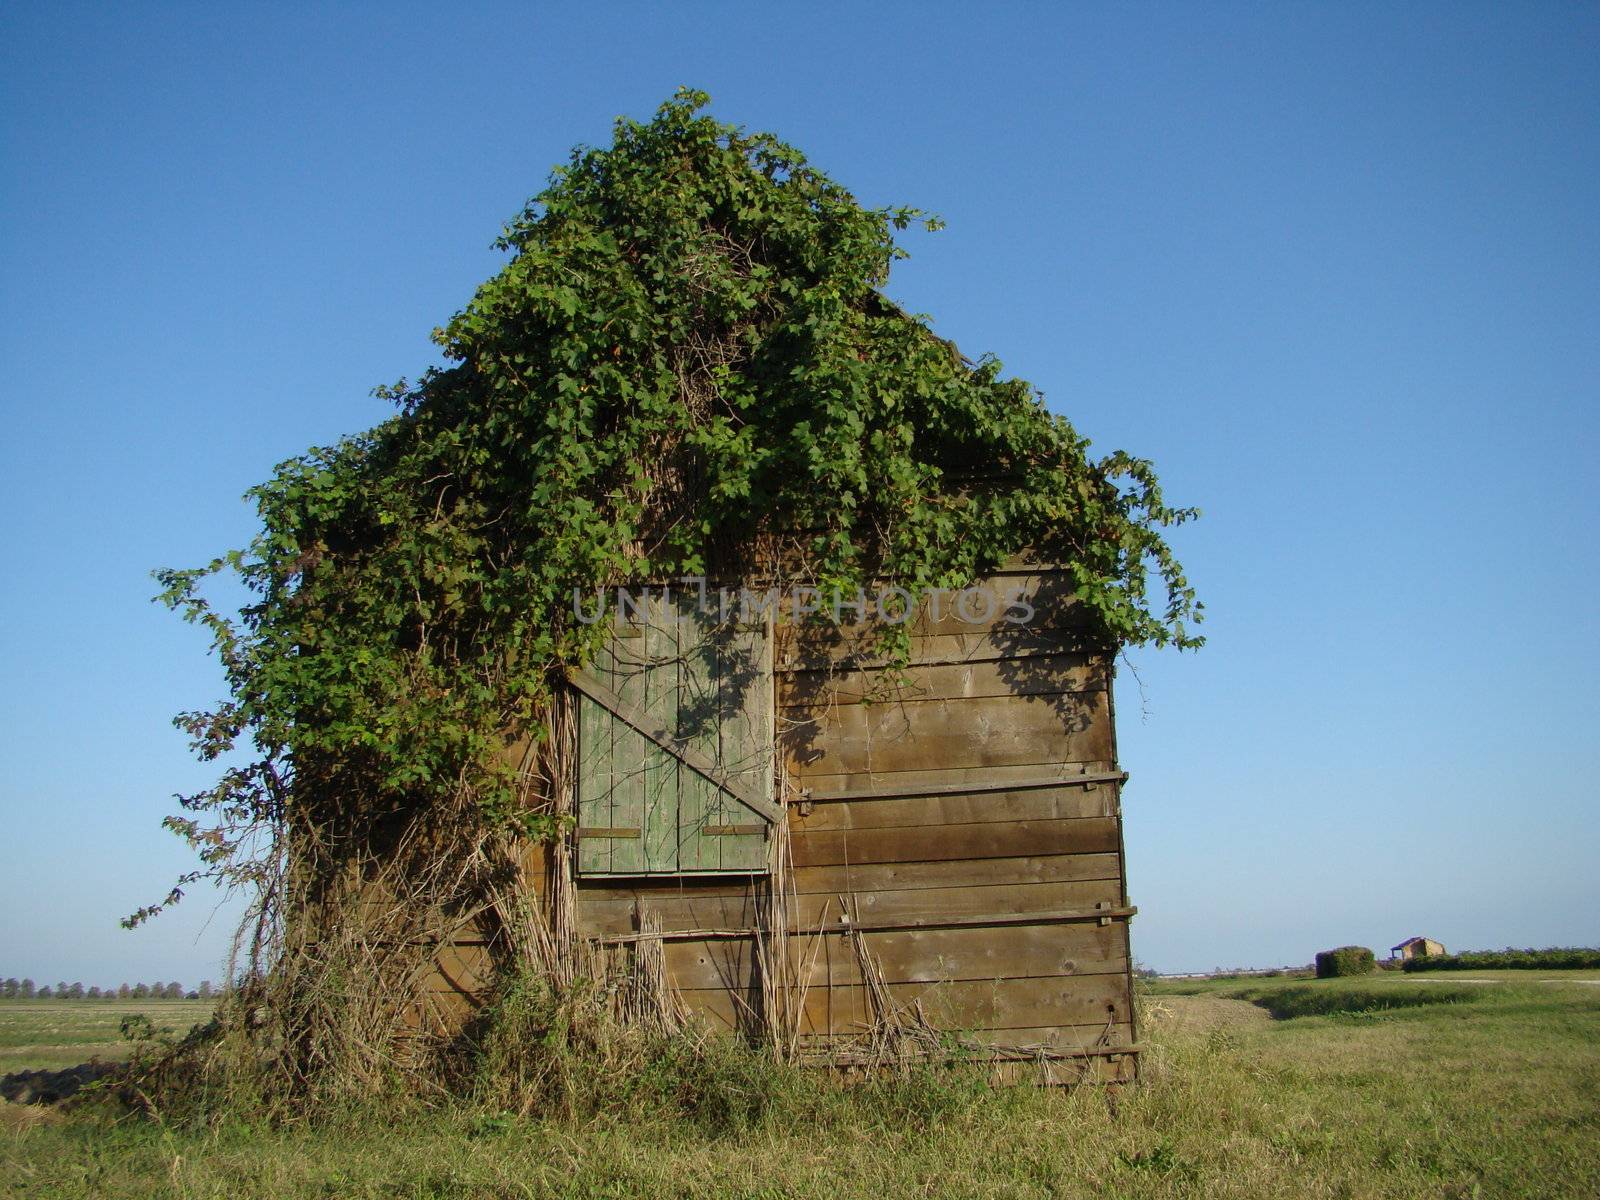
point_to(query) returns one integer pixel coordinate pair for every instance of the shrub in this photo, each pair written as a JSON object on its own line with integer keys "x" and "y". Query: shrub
{"x": 1346, "y": 960}
{"x": 1553, "y": 958}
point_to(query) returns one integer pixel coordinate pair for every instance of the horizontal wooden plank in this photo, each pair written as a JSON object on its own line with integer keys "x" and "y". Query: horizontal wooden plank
{"x": 978, "y": 787}
{"x": 725, "y": 965}
{"x": 1102, "y": 913}
{"x": 1011, "y": 952}
{"x": 1004, "y": 1067}
{"x": 808, "y": 649}
{"x": 1026, "y": 600}
{"x": 1002, "y": 1004}
{"x": 1036, "y": 676}
{"x": 910, "y": 962}
{"x": 985, "y": 732}
{"x": 1063, "y": 1039}
{"x": 735, "y": 908}
{"x": 986, "y": 1005}
{"x": 912, "y": 956}
{"x": 660, "y": 891}
{"x": 865, "y": 878}
{"x": 990, "y": 839}
{"x": 954, "y": 904}
{"x": 615, "y": 917}
{"x": 1034, "y": 804}
{"x": 1089, "y": 1040}
{"x": 932, "y": 781}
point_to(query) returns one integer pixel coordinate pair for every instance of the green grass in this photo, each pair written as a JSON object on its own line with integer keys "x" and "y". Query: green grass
{"x": 1494, "y": 1093}
{"x": 1229, "y": 985}
{"x": 62, "y": 1033}
{"x": 1297, "y": 1000}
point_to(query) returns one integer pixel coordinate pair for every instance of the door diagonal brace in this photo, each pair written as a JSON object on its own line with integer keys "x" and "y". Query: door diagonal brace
{"x": 641, "y": 722}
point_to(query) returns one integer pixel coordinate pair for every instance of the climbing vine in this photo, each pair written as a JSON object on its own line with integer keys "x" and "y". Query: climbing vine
{"x": 686, "y": 361}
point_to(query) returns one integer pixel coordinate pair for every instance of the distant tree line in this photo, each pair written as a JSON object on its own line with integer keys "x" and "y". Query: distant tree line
{"x": 1553, "y": 958}
{"x": 26, "y": 989}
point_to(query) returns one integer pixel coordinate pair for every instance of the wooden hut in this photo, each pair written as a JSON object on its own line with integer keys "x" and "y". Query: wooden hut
{"x": 1416, "y": 947}
{"x": 857, "y": 858}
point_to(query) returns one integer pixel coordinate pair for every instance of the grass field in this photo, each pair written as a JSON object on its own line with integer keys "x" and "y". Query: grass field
{"x": 63, "y": 1033}
{"x": 1387, "y": 1087}
{"x": 1223, "y": 984}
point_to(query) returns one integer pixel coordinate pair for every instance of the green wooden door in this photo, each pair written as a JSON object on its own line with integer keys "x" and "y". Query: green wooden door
{"x": 675, "y": 746}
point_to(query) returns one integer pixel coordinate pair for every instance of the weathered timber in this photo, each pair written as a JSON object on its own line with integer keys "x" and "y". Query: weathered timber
{"x": 927, "y": 780}
{"x": 799, "y": 651}
{"x": 987, "y": 731}
{"x": 731, "y": 910}
{"x": 861, "y": 877}
{"x": 1050, "y": 801}
{"x": 1046, "y": 675}
{"x": 1102, "y": 1040}
{"x": 943, "y": 918}
{"x": 999, "y": 603}
{"x": 988, "y": 839}
{"x": 992, "y": 1005}
{"x": 998, "y": 784}
{"x": 681, "y": 749}
{"x": 915, "y": 955}
{"x": 957, "y": 819}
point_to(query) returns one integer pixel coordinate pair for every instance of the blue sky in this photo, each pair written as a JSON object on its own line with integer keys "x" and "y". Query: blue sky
{"x": 1336, "y": 270}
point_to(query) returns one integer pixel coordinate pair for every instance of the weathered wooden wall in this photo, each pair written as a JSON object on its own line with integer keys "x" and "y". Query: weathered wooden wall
{"x": 1000, "y": 910}
{"x": 962, "y": 818}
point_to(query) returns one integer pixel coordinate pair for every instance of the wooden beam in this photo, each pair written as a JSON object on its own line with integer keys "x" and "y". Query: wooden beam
{"x": 963, "y": 920}
{"x": 820, "y": 1056}
{"x": 944, "y": 921}
{"x": 963, "y": 789}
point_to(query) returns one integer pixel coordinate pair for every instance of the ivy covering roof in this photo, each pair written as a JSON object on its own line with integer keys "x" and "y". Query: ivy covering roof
{"x": 687, "y": 351}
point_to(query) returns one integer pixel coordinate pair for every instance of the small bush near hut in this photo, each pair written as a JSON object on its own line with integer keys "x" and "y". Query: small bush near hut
{"x": 1554, "y": 958}
{"x": 1346, "y": 960}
